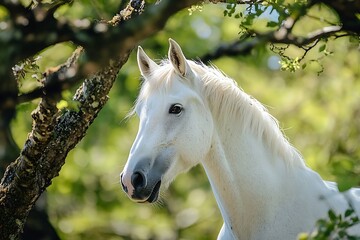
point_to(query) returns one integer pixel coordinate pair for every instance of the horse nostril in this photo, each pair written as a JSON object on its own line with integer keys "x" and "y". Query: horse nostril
{"x": 138, "y": 180}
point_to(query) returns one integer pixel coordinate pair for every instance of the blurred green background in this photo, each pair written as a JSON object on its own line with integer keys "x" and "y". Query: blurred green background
{"x": 320, "y": 114}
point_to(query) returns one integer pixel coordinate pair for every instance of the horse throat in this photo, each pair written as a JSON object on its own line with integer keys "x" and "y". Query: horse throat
{"x": 245, "y": 177}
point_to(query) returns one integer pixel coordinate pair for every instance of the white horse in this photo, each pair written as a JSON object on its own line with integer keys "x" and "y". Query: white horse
{"x": 190, "y": 114}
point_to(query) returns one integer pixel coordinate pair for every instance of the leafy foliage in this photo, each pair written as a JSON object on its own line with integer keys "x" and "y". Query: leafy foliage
{"x": 28, "y": 66}
{"x": 258, "y": 19}
{"x": 68, "y": 103}
{"x": 318, "y": 113}
{"x": 335, "y": 227}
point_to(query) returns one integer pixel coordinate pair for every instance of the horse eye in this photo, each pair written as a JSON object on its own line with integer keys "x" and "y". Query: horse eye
{"x": 175, "y": 109}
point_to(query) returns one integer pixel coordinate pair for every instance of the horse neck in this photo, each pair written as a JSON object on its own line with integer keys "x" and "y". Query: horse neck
{"x": 245, "y": 176}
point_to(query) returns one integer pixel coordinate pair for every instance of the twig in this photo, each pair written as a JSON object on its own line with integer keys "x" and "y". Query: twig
{"x": 57, "y": 79}
{"x": 308, "y": 48}
{"x": 244, "y": 46}
{"x": 26, "y": 178}
{"x": 238, "y": 1}
{"x": 320, "y": 19}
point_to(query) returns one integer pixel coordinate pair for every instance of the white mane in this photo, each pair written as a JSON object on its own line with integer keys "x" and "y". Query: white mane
{"x": 229, "y": 103}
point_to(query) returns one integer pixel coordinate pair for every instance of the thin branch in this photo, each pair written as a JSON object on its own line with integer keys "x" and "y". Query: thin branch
{"x": 284, "y": 33}
{"x": 318, "y": 34}
{"x": 238, "y": 47}
{"x": 237, "y": 2}
{"x": 308, "y": 48}
{"x": 55, "y": 133}
{"x": 37, "y": 31}
{"x": 244, "y": 46}
{"x": 55, "y": 79}
{"x": 347, "y": 11}
{"x": 115, "y": 40}
{"x": 345, "y": 35}
{"x": 321, "y": 19}
{"x": 64, "y": 77}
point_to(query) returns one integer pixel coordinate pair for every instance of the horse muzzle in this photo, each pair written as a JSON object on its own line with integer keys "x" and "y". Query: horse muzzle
{"x": 142, "y": 177}
{"x": 140, "y": 188}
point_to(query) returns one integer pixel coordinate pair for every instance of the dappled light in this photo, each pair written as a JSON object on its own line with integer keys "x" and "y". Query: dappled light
{"x": 313, "y": 93}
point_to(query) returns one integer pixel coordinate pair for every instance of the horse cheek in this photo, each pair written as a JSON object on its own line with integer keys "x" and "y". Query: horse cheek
{"x": 199, "y": 139}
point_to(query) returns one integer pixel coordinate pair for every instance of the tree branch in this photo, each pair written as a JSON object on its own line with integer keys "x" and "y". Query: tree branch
{"x": 55, "y": 132}
{"x": 57, "y": 79}
{"x": 244, "y": 46}
{"x": 349, "y": 25}
{"x": 115, "y": 40}
{"x": 348, "y": 11}
{"x": 39, "y": 30}
{"x": 237, "y": 1}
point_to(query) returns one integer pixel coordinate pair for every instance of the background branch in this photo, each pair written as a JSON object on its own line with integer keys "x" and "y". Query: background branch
{"x": 246, "y": 44}
{"x": 107, "y": 46}
{"x": 55, "y": 132}
{"x": 57, "y": 79}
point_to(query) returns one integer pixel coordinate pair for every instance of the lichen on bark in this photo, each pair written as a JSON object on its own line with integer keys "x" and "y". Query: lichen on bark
{"x": 53, "y": 135}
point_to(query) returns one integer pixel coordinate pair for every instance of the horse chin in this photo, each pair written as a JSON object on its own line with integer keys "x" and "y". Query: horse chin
{"x": 155, "y": 193}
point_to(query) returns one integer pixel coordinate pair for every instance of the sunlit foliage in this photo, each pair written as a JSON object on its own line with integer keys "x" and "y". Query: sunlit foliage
{"x": 317, "y": 106}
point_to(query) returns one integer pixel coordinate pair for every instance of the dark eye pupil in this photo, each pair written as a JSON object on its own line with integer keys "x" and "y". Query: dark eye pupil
{"x": 175, "y": 109}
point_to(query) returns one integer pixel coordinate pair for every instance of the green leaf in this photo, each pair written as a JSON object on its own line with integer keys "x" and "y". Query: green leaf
{"x": 344, "y": 224}
{"x": 345, "y": 184}
{"x": 355, "y": 219}
{"x": 353, "y": 39}
{"x": 303, "y": 236}
{"x": 348, "y": 212}
{"x": 322, "y": 48}
{"x": 272, "y": 24}
{"x": 342, "y": 233}
{"x": 62, "y": 104}
{"x": 332, "y": 215}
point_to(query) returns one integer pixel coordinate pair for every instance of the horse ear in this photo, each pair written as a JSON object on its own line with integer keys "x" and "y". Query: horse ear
{"x": 146, "y": 65}
{"x": 178, "y": 59}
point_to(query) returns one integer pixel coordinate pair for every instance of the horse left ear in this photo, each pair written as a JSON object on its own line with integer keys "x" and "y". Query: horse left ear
{"x": 178, "y": 59}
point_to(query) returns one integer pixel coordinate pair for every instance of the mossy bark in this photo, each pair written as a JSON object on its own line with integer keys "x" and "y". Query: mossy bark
{"x": 53, "y": 135}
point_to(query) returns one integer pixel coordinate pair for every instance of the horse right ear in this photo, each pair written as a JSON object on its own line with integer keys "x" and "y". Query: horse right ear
{"x": 146, "y": 65}
{"x": 178, "y": 60}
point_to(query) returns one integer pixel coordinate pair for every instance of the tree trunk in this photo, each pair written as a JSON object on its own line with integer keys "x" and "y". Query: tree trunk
{"x": 53, "y": 135}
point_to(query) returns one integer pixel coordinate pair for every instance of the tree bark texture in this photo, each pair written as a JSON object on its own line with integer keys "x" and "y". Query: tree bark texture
{"x": 53, "y": 135}
{"x": 107, "y": 46}
{"x": 55, "y": 132}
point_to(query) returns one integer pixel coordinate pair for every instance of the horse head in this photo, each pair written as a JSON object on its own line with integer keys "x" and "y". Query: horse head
{"x": 175, "y": 127}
